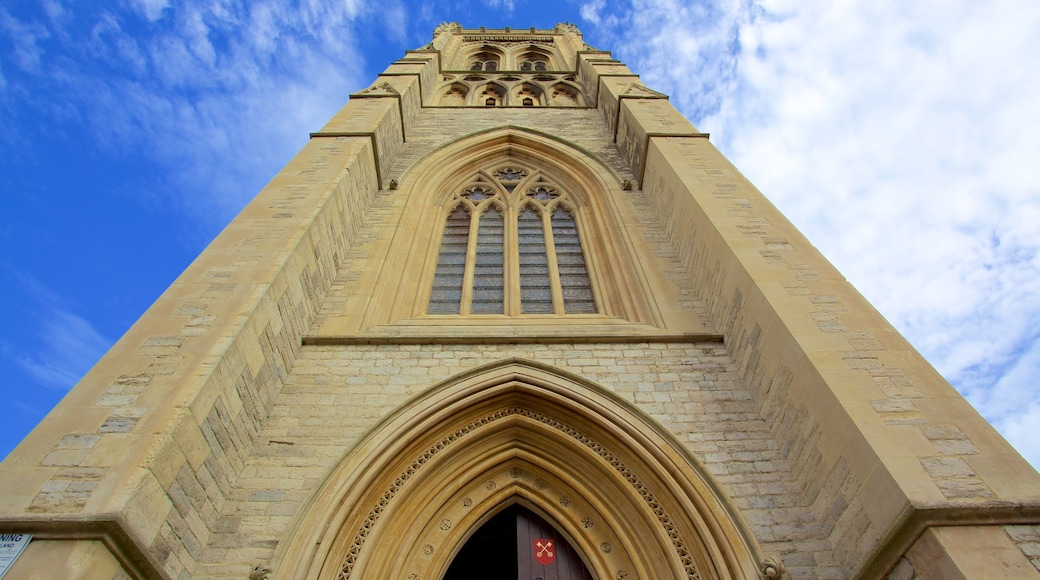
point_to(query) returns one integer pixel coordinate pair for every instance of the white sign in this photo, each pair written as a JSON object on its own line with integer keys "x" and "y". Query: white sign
{"x": 11, "y": 546}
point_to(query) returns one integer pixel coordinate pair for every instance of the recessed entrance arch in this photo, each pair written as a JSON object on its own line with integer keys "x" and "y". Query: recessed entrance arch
{"x": 625, "y": 495}
{"x": 517, "y": 543}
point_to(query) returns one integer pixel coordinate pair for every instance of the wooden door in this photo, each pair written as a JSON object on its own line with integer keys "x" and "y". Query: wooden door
{"x": 536, "y": 537}
{"x": 505, "y": 547}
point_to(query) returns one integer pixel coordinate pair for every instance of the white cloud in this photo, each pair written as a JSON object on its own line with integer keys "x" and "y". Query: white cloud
{"x": 70, "y": 346}
{"x": 897, "y": 136}
{"x": 590, "y": 11}
{"x": 24, "y": 38}
{"x": 1021, "y": 430}
{"x": 218, "y": 95}
{"x": 506, "y": 5}
{"x": 66, "y": 345}
{"x": 152, "y": 10}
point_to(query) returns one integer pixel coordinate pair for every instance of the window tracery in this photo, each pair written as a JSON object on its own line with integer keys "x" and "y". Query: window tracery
{"x": 485, "y": 60}
{"x": 511, "y": 245}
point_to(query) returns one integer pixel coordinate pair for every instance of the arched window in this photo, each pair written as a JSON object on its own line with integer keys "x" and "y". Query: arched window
{"x": 486, "y": 60}
{"x": 533, "y": 59}
{"x": 511, "y": 246}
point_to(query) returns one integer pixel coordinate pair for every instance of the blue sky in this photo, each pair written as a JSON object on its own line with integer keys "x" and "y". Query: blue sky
{"x": 900, "y": 137}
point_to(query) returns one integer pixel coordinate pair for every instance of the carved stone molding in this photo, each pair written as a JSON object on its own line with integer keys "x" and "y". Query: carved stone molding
{"x": 639, "y": 486}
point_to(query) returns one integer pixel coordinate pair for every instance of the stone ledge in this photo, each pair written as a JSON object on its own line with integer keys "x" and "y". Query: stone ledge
{"x": 511, "y": 337}
{"x": 108, "y": 529}
{"x": 917, "y": 519}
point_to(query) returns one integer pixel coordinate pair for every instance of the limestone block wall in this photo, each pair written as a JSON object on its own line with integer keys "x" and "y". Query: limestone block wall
{"x": 142, "y": 455}
{"x": 192, "y": 448}
{"x": 881, "y": 446}
{"x": 336, "y": 393}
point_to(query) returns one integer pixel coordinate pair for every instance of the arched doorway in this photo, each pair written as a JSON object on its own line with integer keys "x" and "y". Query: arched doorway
{"x": 517, "y": 543}
{"x": 625, "y": 495}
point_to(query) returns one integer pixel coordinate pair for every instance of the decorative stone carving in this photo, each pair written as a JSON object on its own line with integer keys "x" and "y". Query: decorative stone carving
{"x": 773, "y": 566}
{"x": 427, "y": 550}
{"x": 641, "y": 90}
{"x": 447, "y": 27}
{"x": 259, "y": 572}
{"x": 565, "y": 27}
{"x": 383, "y": 87}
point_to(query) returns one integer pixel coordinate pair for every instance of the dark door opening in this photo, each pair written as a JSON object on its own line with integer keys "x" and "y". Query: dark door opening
{"x": 505, "y": 548}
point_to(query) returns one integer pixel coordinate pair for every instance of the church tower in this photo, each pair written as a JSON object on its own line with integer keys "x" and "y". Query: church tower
{"x": 509, "y": 312}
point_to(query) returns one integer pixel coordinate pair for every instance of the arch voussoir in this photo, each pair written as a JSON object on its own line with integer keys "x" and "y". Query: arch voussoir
{"x": 598, "y": 470}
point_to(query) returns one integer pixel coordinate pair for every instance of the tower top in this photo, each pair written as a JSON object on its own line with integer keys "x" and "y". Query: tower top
{"x": 456, "y": 28}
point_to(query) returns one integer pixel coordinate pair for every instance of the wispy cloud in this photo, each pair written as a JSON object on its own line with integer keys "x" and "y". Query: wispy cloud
{"x": 214, "y": 96}
{"x": 64, "y": 346}
{"x": 24, "y": 39}
{"x": 69, "y": 347}
{"x": 506, "y": 5}
{"x": 895, "y": 135}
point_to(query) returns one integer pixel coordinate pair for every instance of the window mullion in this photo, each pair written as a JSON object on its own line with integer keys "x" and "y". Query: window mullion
{"x": 554, "y": 268}
{"x": 471, "y": 258}
{"x": 512, "y": 263}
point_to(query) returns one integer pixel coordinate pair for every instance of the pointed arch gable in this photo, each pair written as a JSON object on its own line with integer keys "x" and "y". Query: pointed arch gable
{"x": 404, "y": 287}
{"x": 627, "y": 496}
{"x": 457, "y": 157}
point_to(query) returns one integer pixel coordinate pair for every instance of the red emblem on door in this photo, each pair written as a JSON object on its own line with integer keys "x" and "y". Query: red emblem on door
{"x": 544, "y": 551}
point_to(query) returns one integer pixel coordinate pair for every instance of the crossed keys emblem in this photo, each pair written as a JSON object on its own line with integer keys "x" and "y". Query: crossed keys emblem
{"x": 544, "y": 552}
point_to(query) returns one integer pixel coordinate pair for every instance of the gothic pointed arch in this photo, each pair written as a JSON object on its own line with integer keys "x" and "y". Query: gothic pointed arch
{"x": 490, "y": 95}
{"x": 532, "y": 58}
{"x": 448, "y": 241}
{"x": 453, "y": 94}
{"x": 626, "y": 495}
{"x": 486, "y": 57}
{"x": 564, "y": 94}
{"x": 528, "y": 95}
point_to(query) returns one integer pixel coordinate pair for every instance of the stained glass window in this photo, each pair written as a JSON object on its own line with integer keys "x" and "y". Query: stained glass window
{"x": 524, "y": 257}
{"x": 446, "y": 297}
{"x": 574, "y": 276}
{"x": 489, "y": 266}
{"x": 535, "y": 288}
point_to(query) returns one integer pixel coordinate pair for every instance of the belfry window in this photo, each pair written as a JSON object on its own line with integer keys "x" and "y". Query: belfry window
{"x": 485, "y": 60}
{"x": 511, "y": 245}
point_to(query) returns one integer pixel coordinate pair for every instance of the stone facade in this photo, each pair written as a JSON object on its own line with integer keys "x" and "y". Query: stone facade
{"x": 750, "y": 413}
